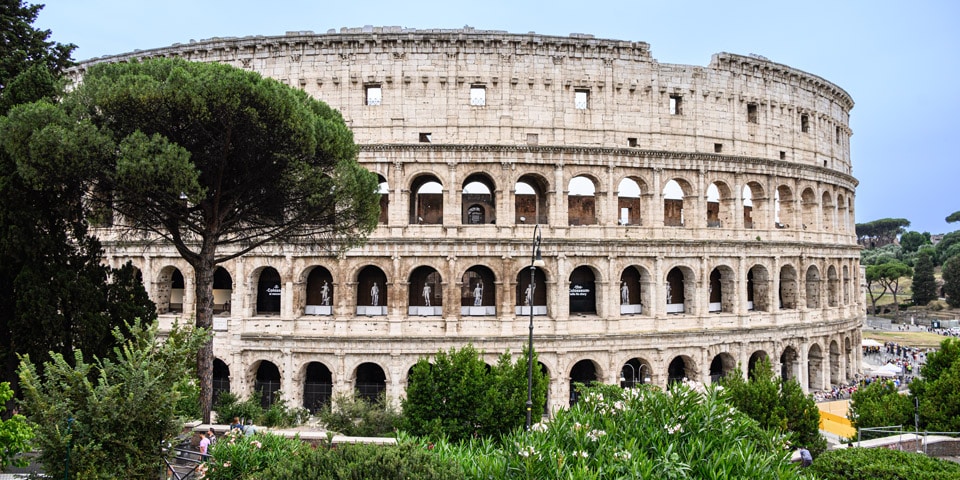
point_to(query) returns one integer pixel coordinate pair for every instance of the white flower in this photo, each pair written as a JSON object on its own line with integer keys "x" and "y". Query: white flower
{"x": 622, "y": 455}
{"x": 595, "y": 434}
{"x": 580, "y": 453}
{"x": 539, "y": 427}
{"x": 674, "y": 429}
{"x": 527, "y": 451}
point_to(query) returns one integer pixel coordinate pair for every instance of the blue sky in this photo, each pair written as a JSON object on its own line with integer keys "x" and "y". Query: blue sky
{"x": 899, "y": 60}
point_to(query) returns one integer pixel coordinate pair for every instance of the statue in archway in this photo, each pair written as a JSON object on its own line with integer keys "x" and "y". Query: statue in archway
{"x": 374, "y": 295}
{"x": 624, "y": 293}
{"x": 478, "y": 294}
{"x": 426, "y": 294}
{"x": 325, "y": 293}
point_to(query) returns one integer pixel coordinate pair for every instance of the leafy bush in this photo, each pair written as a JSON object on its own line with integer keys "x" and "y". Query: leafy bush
{"x": 15, "y": 432}
{"x": 879, "y": 405}
{"x": 110, "y": 415}
{"x": 688, "y": 432}
{"x": 188, "y": 397}
{"x": 459, "y": 396}
{"x": 881, "y": 464}
{"x": 236, "y": 456}
{"x": 778, "y": 405}
{"x": 353, "y": 415}
{"x": 278, "y": 414}
{"x": 229, "y": 405}
{"x": 367, "y": 462}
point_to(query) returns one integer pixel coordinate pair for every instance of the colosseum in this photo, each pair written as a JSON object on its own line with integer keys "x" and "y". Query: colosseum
{"x": 690, "y": 219}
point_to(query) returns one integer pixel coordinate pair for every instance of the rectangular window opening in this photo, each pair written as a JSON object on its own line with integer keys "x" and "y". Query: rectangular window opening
{"x": 478, "y": 95}
{"x": 631, "y": 141}
{"x": 581, "y": 97}
{"x": 374, "y": 95}
{"x": 717, "y": 147}
{"x": 675, "y": 105}
{"x": 783, "y": 155}
{"x": 752, "y": 115}
{"x": 424, "y": 137}
{"x": 837, "y": 135}
{"x": 805, "y": 123}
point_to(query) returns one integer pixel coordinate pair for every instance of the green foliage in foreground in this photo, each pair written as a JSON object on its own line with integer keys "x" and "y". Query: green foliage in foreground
{"x": 15, "y": 432}
{"x": 250, "y": 410}
{"x": 778, "y": 405}
{"x": 938, "y": 388}
{"x": 881, "y": 464}
{"x": 270, "y": 457}
{"x": 458, "y": 396}
{"x": 611, "y": 433}
{"x": 355, "y": 416}
{"x": 879, "y": 405}
{"x": 110, "y": 415}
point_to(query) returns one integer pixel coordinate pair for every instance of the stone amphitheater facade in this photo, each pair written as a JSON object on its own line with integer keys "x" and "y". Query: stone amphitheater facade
{"x": 693, "y": 218}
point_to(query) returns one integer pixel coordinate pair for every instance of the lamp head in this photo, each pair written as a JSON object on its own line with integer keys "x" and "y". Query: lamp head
{"x": 538, "y": 260}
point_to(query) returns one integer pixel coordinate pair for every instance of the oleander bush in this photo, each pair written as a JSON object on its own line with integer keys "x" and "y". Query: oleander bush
{"x": 687, "y": 432}
{"x": 881, "y": 464}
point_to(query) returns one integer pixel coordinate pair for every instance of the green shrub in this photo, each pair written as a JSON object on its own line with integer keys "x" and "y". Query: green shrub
{"x": 881, "y": 464}
{"x": 353, "y": 415}
{"x": 367, "y": 462}
{"x": 236, "y": 456}
{"x": 278, "y": 415}
{"x": 229, "y": 406}
{"x": 188, "y": 393}
{"x": 611, "y": 433}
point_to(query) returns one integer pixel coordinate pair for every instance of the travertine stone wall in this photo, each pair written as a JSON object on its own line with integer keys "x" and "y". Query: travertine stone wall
{"x": 787, "y": 270}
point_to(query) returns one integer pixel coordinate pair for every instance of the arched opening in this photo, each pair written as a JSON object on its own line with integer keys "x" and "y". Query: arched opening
{"x": 269, "y": 292}
{"x": 809, "y": 209}
{"x": 267, "y": 383}
{"x": 426, "y": 292}
{"x": 583, "y": 297}
{"x": 371, "y": 381}
{"x": 585, "y": 372}
{"x": 815, "y": 368}
{"x": 635, "y": 288}
{"x": 635, "y": 372}
{"x": 789, "y": 364}
{"x": 477, "y": 201}
{"x": 535, "y": 295}
{"x": 478, "y": 292}
{"x": 784, "y": 214}
{"x": 754, "y": 362}
{"x": 813, "y": 287}
{"x": 751, "y": 196}
{"x": 319, "y": 292}
{"x": 835, "y": 363}
{"x": 829, "y": 212}
{"x": 673, "y": 195}
{"x": 384, "y": 190}
{"x": 721, "y": 289}
{"x": 789, "y": 288}
{"x": 629, "y": 206}
{"x": 681, "y": 368}
{"x": 426, "y": 207}
{"x": 719, "y": 205}
{"x": 758, "y": 289}
{"x": 222, "y": 291}
{"x": 722, "y": 365}
{"x": 846, "y": 285}
{"x": 581, "y": 204}
{"x": 371, "y": 291}
{"x": 843, "y": 215}
{"x": 833, "y": 287}
{"x": 317, "y": 386}
{"x": 221, "y": 379}
{"x": 530, "y": 200}
{"x": 170, "y": 291}
{"x": 676, "y": 295}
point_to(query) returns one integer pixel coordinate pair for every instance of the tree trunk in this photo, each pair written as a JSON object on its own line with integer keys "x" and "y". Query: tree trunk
{"x": 204, "y": 319}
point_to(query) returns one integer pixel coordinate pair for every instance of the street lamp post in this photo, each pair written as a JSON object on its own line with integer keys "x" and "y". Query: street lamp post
{"x": 633, "y": 375}
{"x": 535, "y": 261}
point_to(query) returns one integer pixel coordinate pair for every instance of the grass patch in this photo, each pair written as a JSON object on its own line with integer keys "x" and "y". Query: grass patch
{"x": 911, "y": 339}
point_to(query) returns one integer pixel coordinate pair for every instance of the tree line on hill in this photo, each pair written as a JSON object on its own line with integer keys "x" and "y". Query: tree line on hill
{"x": 894, "y": 253}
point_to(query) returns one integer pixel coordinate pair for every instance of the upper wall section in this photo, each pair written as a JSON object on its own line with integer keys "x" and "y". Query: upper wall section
{"x": 404, "y": 86}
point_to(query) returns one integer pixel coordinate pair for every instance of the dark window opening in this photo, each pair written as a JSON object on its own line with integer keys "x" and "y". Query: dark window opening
{"x": 631, "y": 141}
{"x": 717, "y": 147}
{"x": 425, "y": 137}
{"x": 752, "y": 113}
{"x": 675, "y": 105}
{"x": 804, "y": 123}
